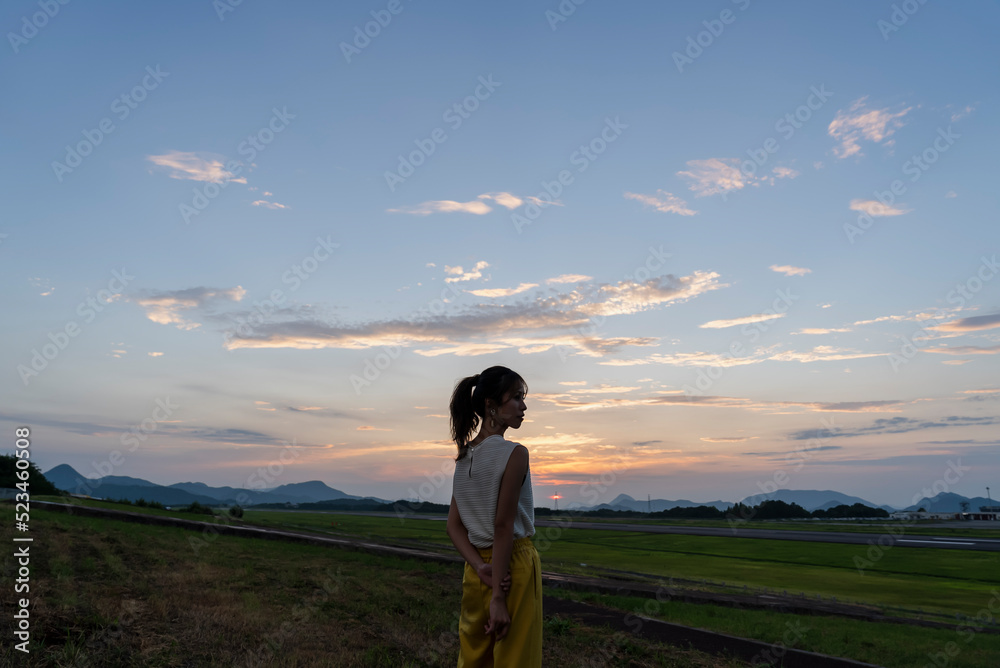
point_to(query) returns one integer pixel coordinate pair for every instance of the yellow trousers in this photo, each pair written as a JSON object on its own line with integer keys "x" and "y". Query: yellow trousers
{"x": 522, "y": 647}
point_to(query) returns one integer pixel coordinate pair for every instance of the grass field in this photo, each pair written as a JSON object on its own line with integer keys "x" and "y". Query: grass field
{"x": 913, "y": 579}
{"x": 906, "y": 579}
{"x": 107, "y": 593}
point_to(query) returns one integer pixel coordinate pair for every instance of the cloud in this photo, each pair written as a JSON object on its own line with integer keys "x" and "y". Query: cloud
{"x": 444, "y": 206}
{"x": 820, "y": 330}
{"x": 727, "y": 439}
{"x": 962, "y": 113}
{"x": 918, "y": 316}
{"x": 41, "y": 284}
{"x": 504, "y": 199}
{"x": 467, "y": 349}
{"x": 605, "y": 389}
{"x": 789, "y": 270}
{"x": 546, "y": 321}
{"x": 164, "y": 428}
{"x": 858, "y": 123}
{"x": 368, "y": 427}
{"x": 972, "y": 324}
{"x": 268, "y": 205}
{"x": 172, "y": 307}
{"x": 875, "y": 208}
{"x": 823, "y": 354}
{"x": 194, "y": 167}
{"x": 951, "y": 194}
{"x": 691, "y": 359}
{"x": 663, "y": 201}
{"x": 632, "y": 297}
{"x": 569, "y": 278}
{"x": 817, "y": 354}
{"x": 477, "y": 206}
{"x": 745, "y": 320}
{"x": 784, "y": 173}
{"x": 459, "y": 275}
{"x": 720, "y": 175}
{"x": 573, "y": 402}
{"x": 792, "y": 455}
{"x": 895, "y": 425}
{"x": 503, "y": 292}
{"x": 155, "y": 354}
{"x": 966, "y": 350}
{"x": 713, "y": 176}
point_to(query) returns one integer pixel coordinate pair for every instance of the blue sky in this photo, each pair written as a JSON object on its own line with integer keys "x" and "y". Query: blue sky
{"x": 295, "y": 241}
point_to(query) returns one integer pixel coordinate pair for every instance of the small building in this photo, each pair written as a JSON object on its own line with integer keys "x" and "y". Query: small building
{"x": 986, "y": 513}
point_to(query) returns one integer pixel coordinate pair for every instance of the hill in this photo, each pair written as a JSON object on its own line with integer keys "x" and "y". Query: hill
{"x": 626, "y": 502}
{"x": 948, "y": 502}
{"x": 114, "y": 487}
{"x": 810, "y": 499}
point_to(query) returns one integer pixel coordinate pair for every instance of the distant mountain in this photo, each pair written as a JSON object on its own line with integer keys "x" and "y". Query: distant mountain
{"x": 810, "y": 499}
{"x": 218, "y": 493}
{"x": 67, "y": 478}
{"x": 626, "y": 502}
{"x": 948, "y": 502}
{"x": 168, "y": 496}
{"x": 126, "y": 480}
{"x": 834, "y": 504}
{"x": 314, "y": 490}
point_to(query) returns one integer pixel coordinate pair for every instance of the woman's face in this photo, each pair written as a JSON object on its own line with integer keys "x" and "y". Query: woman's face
{"x": 511, "y": 412}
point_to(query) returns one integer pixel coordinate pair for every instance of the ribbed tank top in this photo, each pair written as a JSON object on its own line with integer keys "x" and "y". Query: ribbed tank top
{"x": 476, "y": 494}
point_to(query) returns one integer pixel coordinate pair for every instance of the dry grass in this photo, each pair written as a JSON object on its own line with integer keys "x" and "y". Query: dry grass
{"x": 107, "y": 594}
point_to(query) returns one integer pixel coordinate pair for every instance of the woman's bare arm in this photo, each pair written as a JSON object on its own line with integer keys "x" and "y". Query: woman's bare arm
{"x": 460, "y": 537}
{"x": 503, "y": 534}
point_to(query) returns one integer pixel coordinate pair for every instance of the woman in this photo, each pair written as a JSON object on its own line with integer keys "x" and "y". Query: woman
{"x": 491, "y": 521}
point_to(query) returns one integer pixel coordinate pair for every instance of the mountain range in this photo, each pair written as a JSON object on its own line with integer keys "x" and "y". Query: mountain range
{"x": 184, "y": 493}
{"x": 810, "y": 499}
{"x": 116, "y": 487}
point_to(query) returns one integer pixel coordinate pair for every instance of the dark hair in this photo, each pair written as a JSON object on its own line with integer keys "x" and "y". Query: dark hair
{"x": 468, "y": 401}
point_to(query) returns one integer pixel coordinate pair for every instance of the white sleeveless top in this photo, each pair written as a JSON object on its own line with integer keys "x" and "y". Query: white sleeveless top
{"x": 476, "y": 494}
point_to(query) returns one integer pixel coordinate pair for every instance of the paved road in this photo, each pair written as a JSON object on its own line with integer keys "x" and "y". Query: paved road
{"x": 898, "y": 536}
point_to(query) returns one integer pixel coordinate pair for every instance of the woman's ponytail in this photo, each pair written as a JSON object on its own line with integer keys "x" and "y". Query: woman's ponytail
{"x": 468, "y": 402}
{"x": 463, "y": 414}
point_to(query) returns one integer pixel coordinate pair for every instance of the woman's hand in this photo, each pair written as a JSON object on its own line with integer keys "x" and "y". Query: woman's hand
{"x": 499, "y": 617}
{"x": 485, "y": 573}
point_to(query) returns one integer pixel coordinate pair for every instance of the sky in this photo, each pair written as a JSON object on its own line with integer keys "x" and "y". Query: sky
{"x": 731, "y": 246}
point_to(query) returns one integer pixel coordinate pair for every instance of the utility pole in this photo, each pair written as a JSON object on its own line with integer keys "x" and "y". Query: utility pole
{"x": 649, "y": 504}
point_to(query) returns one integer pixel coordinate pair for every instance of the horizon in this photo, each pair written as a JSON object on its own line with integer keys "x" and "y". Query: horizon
{"x": 752, "y": 498}
{"x": 728, "y": 247}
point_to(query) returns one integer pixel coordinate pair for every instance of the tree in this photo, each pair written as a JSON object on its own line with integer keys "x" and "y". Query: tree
{"x": 37, "y": 483}
{"x": 196, "y": 507}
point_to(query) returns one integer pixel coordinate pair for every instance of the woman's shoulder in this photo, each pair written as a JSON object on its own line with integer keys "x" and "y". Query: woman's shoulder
{"x": 509, "y": 443}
